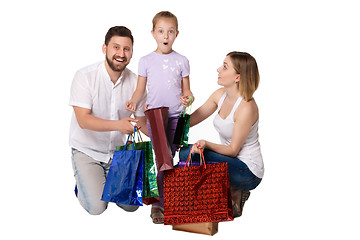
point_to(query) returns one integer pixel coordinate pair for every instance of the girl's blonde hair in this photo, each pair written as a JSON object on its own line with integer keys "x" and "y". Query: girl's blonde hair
{"x": 164, "y": 14}
{"x": 245, "y": 65}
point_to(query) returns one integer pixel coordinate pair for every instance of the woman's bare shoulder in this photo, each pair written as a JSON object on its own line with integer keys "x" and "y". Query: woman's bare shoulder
{"x": 248, "y": 110}
{"x": 217, "y": 95}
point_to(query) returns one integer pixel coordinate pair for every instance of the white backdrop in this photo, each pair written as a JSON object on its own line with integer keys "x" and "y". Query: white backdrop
{"x": 307, "y": 53}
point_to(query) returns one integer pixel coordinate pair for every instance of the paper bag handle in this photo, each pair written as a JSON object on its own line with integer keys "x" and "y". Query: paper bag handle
{"x": 128, "y": 138}
{"x": 201, "y": 157}
{"x": 139, "y": 135}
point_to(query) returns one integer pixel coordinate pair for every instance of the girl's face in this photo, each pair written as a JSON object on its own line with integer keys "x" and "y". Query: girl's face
{"x": 165, "y": 33}
{"x": 227, "y": 75}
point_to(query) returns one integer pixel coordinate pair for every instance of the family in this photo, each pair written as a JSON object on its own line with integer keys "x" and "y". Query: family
{"x": 108, "y": 99}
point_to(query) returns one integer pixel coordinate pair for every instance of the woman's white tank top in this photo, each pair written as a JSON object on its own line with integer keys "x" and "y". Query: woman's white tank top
{"x": 250, "y": 152}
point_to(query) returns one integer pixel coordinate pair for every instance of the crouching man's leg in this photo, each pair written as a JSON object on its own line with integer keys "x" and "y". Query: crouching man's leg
{"x": 90, "y": 178}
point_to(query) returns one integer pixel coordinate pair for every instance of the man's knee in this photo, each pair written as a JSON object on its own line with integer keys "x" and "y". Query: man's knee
{"x": 96, "y": 211}
{"x": 95, "y": 208}
{"x": 128, "y": 208}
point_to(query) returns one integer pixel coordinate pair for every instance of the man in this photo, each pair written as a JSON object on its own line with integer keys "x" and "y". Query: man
{"x": 100, "y": 122}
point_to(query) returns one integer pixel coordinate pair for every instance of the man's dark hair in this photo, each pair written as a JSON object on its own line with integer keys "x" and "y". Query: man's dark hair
{"x": 118, "y": 31}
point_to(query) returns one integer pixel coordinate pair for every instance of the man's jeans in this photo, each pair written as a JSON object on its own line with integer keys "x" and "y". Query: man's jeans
{"x": 90, "y": 178}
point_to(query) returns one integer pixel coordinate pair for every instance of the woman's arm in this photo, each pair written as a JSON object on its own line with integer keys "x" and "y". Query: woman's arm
{"x": 245, "y": 116}
{"x": 208, "y": 108}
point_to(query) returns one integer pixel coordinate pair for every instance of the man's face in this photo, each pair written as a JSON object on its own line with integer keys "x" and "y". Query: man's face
{"x": 118, "y": 53}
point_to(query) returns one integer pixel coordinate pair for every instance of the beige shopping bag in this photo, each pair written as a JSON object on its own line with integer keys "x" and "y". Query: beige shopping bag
{"x": 208, "y": 228}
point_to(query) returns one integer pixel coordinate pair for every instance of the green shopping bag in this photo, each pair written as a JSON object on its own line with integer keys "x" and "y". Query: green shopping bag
{"x": 181, "y": 136}
{"x": 150, "y": 192}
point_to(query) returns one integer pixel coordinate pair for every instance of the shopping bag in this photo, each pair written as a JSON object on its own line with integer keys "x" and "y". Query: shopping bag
{"x": 195, "y": 194}
{"x": 208, "y": 228}
{"x": 181, "y": 136}
{"x": 150, "y": 188}
{"x": 150, "y": 193}
{"x": 182, "y": 128}
{"x": 157, "y": 118}
{"x": 124, "y": 180}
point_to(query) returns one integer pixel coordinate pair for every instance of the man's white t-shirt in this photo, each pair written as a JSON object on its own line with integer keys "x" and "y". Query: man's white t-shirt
{"x": 93, "y": 89}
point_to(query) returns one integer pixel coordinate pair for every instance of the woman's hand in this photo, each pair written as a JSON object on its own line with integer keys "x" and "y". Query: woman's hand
{"x": 201, "y": 144}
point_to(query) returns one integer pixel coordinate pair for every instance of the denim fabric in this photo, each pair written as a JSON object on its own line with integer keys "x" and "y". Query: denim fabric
{"x": 240, "y": 175}
{"x": 90, "y": 178}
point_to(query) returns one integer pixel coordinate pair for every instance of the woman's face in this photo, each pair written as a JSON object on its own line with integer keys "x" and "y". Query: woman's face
{"x": 227, "y": 75}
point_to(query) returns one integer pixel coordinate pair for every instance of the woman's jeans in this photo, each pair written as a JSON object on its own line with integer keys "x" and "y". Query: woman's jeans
{"x": 240, "y": 175}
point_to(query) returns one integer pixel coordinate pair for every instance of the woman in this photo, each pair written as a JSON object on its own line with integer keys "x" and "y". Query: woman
{"x": 236, "y": 121}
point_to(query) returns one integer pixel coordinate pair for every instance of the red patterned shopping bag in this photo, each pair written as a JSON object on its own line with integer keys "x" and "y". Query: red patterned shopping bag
{"x": 194, "y": 194}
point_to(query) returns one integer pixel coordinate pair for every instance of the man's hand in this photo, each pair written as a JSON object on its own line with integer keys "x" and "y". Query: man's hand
{"x": 125, "y": 125}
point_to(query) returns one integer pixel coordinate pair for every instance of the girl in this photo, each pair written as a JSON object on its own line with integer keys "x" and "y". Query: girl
{"x": 165, "y": 74}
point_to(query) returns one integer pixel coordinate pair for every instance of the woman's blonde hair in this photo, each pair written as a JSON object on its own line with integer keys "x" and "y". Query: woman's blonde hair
{"x": 245, "y": 65}
{"x": 164, "y": 14}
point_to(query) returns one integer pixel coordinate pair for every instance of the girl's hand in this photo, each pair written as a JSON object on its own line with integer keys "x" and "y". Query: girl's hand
{"x": 130, "y": 106}
{"x": 201, "y": 144}
{"x": 186, "y": 101}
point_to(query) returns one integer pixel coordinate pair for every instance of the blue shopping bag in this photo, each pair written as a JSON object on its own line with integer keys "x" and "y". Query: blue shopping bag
{"x": 124, "y": 181}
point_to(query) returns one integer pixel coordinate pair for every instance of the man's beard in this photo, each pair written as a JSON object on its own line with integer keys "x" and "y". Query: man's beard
{"x": 115, "y": 68}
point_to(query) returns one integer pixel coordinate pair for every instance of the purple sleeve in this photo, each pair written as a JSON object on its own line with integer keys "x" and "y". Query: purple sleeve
{"x": 142, "y": 67}
{"x": 186, "y": 68}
